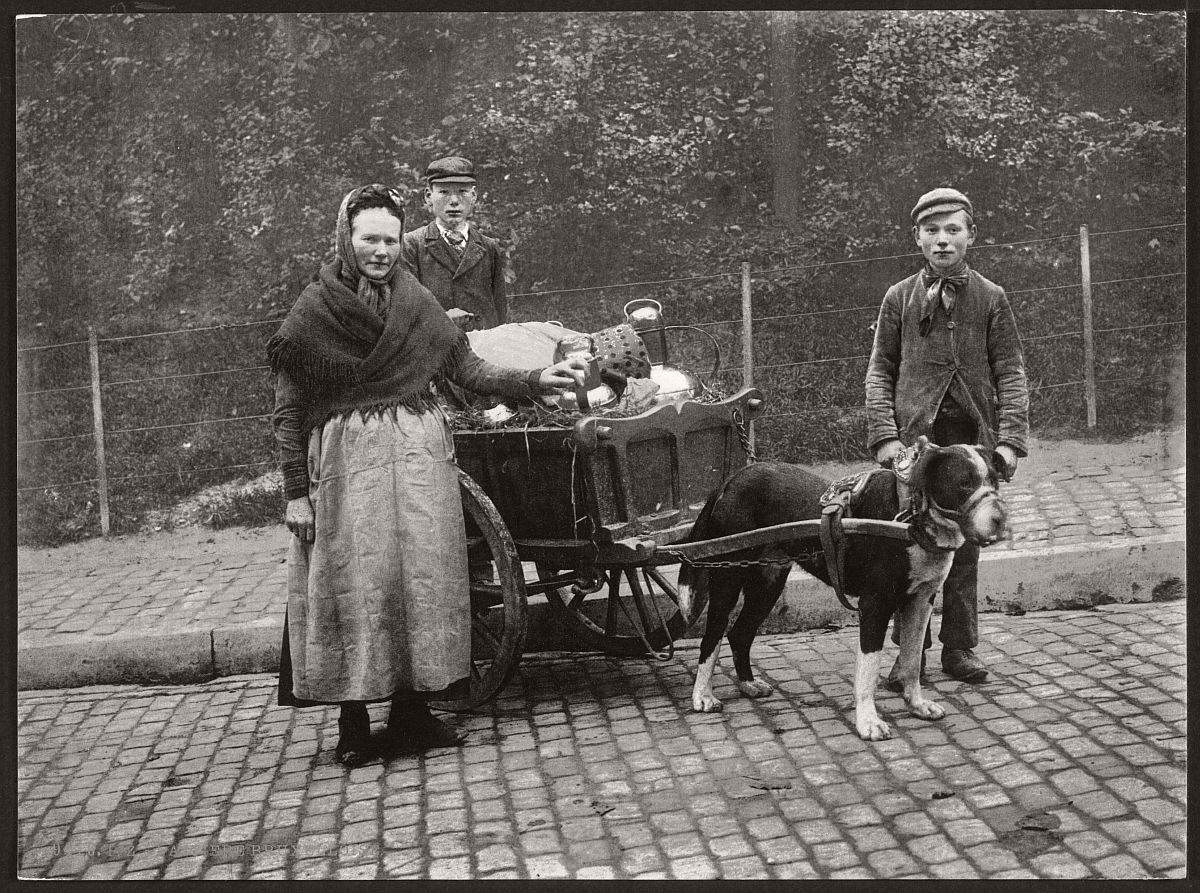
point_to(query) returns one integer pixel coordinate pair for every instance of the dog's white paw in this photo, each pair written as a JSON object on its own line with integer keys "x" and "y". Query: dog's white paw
{"x": 755, "y": 688}
{"x": 706, "y": 703}
{"x": 926, "y": 709}
{"x": 872, "y": 728}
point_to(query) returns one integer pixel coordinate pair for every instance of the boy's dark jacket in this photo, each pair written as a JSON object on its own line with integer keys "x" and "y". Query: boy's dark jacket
{"x": 476, "y": 284}
{"x": 973, "y": 353}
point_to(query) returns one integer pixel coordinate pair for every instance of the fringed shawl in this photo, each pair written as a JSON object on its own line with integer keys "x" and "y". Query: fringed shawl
{"x": 345, "y": 356}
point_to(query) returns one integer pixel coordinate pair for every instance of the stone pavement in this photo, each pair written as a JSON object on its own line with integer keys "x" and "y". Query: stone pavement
{"x": 1069, "y": 763}
{"x": 1098, "y": 523}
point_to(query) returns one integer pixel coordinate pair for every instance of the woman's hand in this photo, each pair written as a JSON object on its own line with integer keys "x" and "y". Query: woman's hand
{"x": 568, "y": 373}
{"x": 887, "y": 451}
{"x": 300, "y": 519}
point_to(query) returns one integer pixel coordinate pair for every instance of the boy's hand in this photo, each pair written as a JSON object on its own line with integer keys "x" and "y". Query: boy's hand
{"x": 887, "y": 451}
{"x": 568, "y": 373}
{"x": 464, "y": 319}
{"x": 1009, "y": 455}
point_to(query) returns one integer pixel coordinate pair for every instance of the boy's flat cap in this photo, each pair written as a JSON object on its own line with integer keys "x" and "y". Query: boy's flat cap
{"x": 452, "y": 169}
{"x": 941, "y": 201}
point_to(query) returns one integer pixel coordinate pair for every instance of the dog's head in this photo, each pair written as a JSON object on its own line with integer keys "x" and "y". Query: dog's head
{"x": 955, "y": 493}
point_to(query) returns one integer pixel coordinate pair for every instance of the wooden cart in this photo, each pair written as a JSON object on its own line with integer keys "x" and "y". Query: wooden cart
{"x": 588, "y": 516}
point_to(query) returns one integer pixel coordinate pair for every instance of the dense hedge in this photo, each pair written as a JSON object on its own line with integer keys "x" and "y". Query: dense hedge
{"x": 189, "y": 166}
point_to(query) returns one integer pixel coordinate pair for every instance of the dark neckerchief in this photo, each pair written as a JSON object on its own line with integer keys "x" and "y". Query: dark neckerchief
{"x": 940, "y": 287}
{"x": 331, "y": 339}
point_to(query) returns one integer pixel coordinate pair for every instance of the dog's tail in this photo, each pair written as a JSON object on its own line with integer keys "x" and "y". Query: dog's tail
{"x": 693, "y": 581}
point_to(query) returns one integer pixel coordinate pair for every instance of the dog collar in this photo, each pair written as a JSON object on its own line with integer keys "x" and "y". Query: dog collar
{"x": 918, "y": 534}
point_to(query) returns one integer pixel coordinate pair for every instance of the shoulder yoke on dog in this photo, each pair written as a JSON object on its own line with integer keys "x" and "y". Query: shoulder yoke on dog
{"x": 837, "y": 502}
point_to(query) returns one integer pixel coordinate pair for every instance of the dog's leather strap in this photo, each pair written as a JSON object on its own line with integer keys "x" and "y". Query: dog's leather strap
{"x": 833, "y": 544}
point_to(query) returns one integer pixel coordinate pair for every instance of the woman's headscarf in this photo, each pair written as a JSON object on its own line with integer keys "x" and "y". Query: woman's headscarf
{"x": 380, "y": 341}
{"x": 375, "y": 293}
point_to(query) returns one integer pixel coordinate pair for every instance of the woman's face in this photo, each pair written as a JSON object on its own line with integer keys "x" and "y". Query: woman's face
{"x": 375, "y": 235}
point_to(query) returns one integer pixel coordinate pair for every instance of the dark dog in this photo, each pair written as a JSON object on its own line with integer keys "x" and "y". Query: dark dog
{"x": 954, "y": 499}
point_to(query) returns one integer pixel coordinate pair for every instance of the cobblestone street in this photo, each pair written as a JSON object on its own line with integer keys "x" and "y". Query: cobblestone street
{"x": 1068, "y": 763}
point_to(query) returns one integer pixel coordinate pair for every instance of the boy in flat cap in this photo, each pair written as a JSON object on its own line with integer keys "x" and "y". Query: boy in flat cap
{"x": 461, "y": 266}
{"x": 947, "y": 364}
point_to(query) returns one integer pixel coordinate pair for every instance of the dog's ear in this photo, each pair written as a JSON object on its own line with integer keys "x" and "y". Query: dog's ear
{"x": 927, "y": 454}
{"x": 946, "y": 534}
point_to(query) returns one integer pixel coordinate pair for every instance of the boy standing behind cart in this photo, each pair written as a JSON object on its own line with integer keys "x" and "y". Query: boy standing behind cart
{"x": 461, "y": 266}
{"x": 947, "y": 364}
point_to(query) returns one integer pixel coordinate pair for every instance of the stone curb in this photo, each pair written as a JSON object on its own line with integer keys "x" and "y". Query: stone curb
{"x": 1062, "y": 577}
{"x": 1036, "y": 579}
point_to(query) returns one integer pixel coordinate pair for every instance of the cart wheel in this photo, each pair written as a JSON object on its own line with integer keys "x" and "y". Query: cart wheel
{"x": 644, "y": 610}
{"x": 499, "y": 610}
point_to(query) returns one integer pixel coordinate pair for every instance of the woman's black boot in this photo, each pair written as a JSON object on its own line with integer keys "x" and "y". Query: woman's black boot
{"x": 354, "y": 735}
{"x": 411, "y": 727}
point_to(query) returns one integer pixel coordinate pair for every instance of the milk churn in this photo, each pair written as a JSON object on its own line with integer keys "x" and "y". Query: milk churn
{"x": 645, "y": 315}
{"x": 675, "y": 384}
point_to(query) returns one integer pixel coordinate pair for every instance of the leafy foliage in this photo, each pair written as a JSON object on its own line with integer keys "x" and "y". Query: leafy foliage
{"x": 183, "y": 170}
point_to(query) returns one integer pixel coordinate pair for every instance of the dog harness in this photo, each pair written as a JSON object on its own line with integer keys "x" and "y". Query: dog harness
{"x": 838, "y": 500}
{"x": 836, "y": 503}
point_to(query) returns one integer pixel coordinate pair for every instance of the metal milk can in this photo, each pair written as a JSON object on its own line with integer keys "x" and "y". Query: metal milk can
{"x": 645, "y": 315}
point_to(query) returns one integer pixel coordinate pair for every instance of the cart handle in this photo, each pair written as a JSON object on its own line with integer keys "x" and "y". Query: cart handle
{"x": 765, "y": 536}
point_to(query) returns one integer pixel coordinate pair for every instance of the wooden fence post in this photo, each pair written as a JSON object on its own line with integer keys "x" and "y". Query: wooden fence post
{"x": 1089, "y": 345}
{"x": 747, "y": 338}
{"x": 98, "y": 430}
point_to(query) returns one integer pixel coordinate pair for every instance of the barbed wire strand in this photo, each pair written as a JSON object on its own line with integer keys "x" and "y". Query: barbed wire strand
{"x": 49, "y": 346}
{"x": 851, "y": 410}
{"x": 240, "y": 418}
{"x": 875, "y": 307}
{"x": 81, "y": 387}
{"x": 1136, "y": 229}
{"x": 232, "y": 325}
{"x": 711, "y": 276}
{"x": 864, "y": 356}
{"x": 111, "y": 384}
{"x": 1024, "y": 339}
{"x": 54, "y": 439}
{"x": 220, "y": 326}
{"x": 858, "y": 410}
{"x": 697, "y": 325}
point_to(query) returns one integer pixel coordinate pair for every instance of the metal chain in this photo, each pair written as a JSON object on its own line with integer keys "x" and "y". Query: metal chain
{"x": 743, "y": 433}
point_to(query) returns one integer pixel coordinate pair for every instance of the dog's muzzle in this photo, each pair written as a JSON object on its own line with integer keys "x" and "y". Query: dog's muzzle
{"x": 983, "y": 518}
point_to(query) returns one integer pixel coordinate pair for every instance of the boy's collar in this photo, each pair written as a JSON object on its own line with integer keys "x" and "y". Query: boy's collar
{"x": 466, "y": 228}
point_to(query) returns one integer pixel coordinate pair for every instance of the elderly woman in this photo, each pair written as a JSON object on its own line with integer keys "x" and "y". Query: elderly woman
{"x": 378, "y": 593}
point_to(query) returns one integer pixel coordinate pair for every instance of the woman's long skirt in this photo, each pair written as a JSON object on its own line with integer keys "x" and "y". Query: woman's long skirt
{"x": 379, "y": 604}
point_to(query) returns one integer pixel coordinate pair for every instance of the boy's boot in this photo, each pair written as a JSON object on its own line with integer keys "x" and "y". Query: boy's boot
{"x": 960, "y": 621}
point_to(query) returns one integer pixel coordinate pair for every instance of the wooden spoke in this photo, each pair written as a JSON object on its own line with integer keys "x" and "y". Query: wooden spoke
{"x": 639, "y": 601}
{"x": 485, "y": 632}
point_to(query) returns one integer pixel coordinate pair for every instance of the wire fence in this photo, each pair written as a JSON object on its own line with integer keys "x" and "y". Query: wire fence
{"x": 766, "y": 327}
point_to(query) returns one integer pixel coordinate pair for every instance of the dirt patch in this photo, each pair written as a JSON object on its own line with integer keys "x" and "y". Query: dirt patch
{"x": 184, "y": 543}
